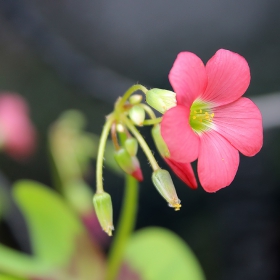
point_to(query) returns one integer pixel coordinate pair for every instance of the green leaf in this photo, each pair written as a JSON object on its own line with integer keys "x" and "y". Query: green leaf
{"x": 53, "y": 227}
{"x": 9, "y": 277}
{"x": 16, "y": 263}
{"x": 158, "y": 254}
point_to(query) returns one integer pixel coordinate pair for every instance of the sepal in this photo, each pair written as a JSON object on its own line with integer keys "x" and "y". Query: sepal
{"x": 164, "y": 184}
{"x": 161, "y": 99}
{"x": 103, "y": 207}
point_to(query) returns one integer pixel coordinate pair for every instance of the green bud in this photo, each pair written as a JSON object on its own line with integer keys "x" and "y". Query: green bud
{"x": 160, "y": 144}
{"x": 103, "y": 208}
{"x": 163, "y": 183}
{"x": 124, "y": 160}
{"x": 161, "y": 99}
{"x": 129, "y": 164}
{"x": 137, "y": 114}
{"x": 131, "y": 145}
{"x": 135, "y": 99}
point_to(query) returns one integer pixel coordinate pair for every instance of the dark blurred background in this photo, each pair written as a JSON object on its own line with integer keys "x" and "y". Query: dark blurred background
{"x": 62, "y": 54}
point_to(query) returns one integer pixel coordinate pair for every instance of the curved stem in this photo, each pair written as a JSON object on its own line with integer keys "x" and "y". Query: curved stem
{"x": 142, "y": 143}
{"x": 129, "y": 92}
{"x": 152, "y": 121}
{"x": 101, "y": 150}
{"x": 148, "y": 110}
{"x": 125, "y": 227}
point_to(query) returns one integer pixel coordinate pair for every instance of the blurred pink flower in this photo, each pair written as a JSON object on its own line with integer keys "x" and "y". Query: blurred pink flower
{"x": 17, "y": 134}
{"x": 212, "y": 121}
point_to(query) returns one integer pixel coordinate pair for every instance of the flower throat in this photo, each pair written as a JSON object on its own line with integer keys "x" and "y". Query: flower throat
{"x": 201, "y": 116}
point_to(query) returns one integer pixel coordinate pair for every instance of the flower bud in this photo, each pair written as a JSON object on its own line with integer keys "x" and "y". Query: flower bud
{"x": 135, "y": 99}
{"x": 103, "y": 207}
{"x": 137, "y": 114}
{"x": 161, "y": 99}
{"x": 160, "y": 144}
{"x": 129, "y": 164}
{"x": 131, "y": 145}
{"x": 163, "y": 183}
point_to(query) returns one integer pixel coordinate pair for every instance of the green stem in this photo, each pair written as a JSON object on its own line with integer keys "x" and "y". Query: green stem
{"x": 101, "y": 150}
{"x": 148, "y": 110}
{"x": 152, "y": 121}
{"x": 143, "y": 144}
{"x": 129, "y": 92}
{"x": 125, "y": 227}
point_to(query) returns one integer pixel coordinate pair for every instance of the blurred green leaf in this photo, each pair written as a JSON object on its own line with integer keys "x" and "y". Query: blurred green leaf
{"x": 53, "y": 227}
{"x": 158, "y": 254}
{"x": 9, "y": 277}
{"x": 20, "y": 264}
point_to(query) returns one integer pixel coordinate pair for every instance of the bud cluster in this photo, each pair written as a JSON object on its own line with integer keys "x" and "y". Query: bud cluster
{"x": 130, "y": 112}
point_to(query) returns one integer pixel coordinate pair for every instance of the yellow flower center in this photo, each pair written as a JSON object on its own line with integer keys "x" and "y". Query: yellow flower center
{"x": 201, "y": 116}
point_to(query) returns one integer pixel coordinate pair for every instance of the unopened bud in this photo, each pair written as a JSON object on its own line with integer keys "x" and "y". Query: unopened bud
{"x": 163, "y": 183}
{"x": 129, "y": 164}
{"x": 135, "y": 99}
{"x": 103, "y": 207}
{"x": 137, "y": 115}
{"x": 160, "y": 144}
{"x": 120, "y": 128}
{"x": 131, "y": 145}
{"x": 161, "y": 99}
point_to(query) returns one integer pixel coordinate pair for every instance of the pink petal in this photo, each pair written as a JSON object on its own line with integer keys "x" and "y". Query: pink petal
{"x": 228, "y": 77}
{"x": 240, "y": 123}
{"x": 217, "y": 162}
{"x": 179, "y": 137}
{"x": 188, "y": 78}
{"x": 184, "y": 171}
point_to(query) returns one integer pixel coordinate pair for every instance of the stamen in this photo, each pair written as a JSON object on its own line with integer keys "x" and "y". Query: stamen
{"x": 201, "y": 116}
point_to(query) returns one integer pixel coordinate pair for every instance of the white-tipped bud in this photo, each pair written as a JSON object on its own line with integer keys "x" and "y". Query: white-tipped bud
{"x": 103, "y": 207}
{"x": 163, "y": 183}
{"x": 137, "y": 115}
{"x": 161, "y": 99}
{"x": 135, "y": 99}
{"x": 120, "y": 128}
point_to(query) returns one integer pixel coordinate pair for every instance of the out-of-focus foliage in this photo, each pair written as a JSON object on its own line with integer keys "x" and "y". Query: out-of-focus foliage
{"x": 156, "y": 253}
{"x": 63, "y": 228}
{"x": 61, "y": 246}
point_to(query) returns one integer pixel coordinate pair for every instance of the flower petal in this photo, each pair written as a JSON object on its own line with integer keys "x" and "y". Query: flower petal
{"x": 217, "y": 162}
{"x": 181, "y": 140}
{"x": 240, "y": 123}
{"x": 184, "y": 171}
{"x": 188, "y": 78}
{"x": 228, "y": 77}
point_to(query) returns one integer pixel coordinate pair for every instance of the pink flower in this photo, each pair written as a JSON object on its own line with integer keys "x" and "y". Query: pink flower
{"x": 212, "y": 121}
{"x": 16, "y": 131}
